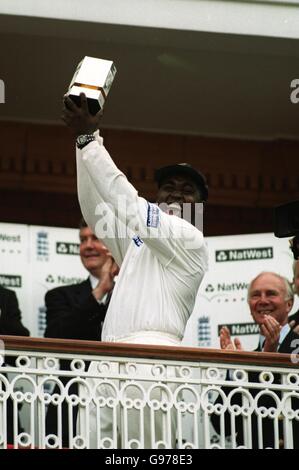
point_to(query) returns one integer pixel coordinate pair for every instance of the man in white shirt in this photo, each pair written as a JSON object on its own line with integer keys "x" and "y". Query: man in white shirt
{"x": 162, "y": 257}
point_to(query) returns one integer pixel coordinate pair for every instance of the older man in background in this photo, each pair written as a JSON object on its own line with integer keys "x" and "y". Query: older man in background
{"x": 270, "y": 299}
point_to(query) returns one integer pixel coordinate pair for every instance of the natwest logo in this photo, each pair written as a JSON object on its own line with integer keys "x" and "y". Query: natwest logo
{"x": 63, "y": 248}
{"x": 244, "y": 254}
{"x": 10, "y": 238}
{"x": 241, "y": 329}
{"x": 62, "y": 280}
{"x": 224, "y": 287}
{"x": 8, "y": 280}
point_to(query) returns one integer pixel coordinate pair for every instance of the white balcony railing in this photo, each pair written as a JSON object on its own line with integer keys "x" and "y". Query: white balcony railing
{"x": 155, "y": 397}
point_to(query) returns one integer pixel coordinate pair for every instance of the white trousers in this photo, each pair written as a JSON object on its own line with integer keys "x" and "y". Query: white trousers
{"x": 132, "y": 413}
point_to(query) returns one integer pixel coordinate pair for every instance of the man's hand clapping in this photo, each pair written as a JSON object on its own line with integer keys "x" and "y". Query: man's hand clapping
{"x": 227, "y": 343}
{"x": 271, "y": 330}
{"x": 106, "y": 283}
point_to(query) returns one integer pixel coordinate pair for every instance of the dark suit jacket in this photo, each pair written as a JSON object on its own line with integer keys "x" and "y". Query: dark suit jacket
{"x": 10, "y": 324}
{"x": 10, "y": 315}
{"x": 72, "y": 313}
{"x": 295, "y": 317}
{"x": 266, "y": 401}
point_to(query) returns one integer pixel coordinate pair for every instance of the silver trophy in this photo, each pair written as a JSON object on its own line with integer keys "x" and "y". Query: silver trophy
{"x": 94, "y": 78}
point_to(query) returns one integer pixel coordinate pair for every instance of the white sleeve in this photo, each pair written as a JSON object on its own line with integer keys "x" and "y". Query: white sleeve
{"x": 172, "y": 240}
{"x": 94, "y": 210}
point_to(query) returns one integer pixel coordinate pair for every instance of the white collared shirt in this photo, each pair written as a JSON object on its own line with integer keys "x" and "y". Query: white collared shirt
{"x": 94, "y": 282}
{"x": 162, "y": 257}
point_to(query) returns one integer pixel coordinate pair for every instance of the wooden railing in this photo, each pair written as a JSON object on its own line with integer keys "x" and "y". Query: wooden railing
{"x": 153, "y": 397}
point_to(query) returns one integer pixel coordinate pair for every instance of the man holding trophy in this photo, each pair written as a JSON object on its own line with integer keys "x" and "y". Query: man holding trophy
{"x": 162, "y": 257}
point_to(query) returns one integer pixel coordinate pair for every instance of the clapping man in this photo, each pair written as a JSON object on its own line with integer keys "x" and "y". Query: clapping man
{"x": 270, "y": 299}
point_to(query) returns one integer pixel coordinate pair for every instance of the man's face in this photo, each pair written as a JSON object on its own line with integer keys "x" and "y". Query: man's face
{"x": 93, "y": 252}
{"x": 296, "y": 278}
{"x": 267, "y": 297}
{"x": 178, "y": 188}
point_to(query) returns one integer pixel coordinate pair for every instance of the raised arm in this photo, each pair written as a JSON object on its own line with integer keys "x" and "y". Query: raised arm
{"x": 103, "y": 187}
{"x": 93, "y": 207}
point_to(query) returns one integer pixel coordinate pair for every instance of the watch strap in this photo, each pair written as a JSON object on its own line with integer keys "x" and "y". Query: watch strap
{"x": 83, "y": 140}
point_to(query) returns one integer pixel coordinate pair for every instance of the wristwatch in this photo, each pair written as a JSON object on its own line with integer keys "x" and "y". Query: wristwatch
{"x": 84, "y": 139}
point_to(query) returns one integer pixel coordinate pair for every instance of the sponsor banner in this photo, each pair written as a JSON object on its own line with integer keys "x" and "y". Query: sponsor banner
{"x": 35, "y": 259}
{"x": 222, "y": 299}
{"x": 10, "y": 281}
{"x": 244, "y": 254}
{"x": 241, "y": 329}
{"x": 63, "y": 248}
